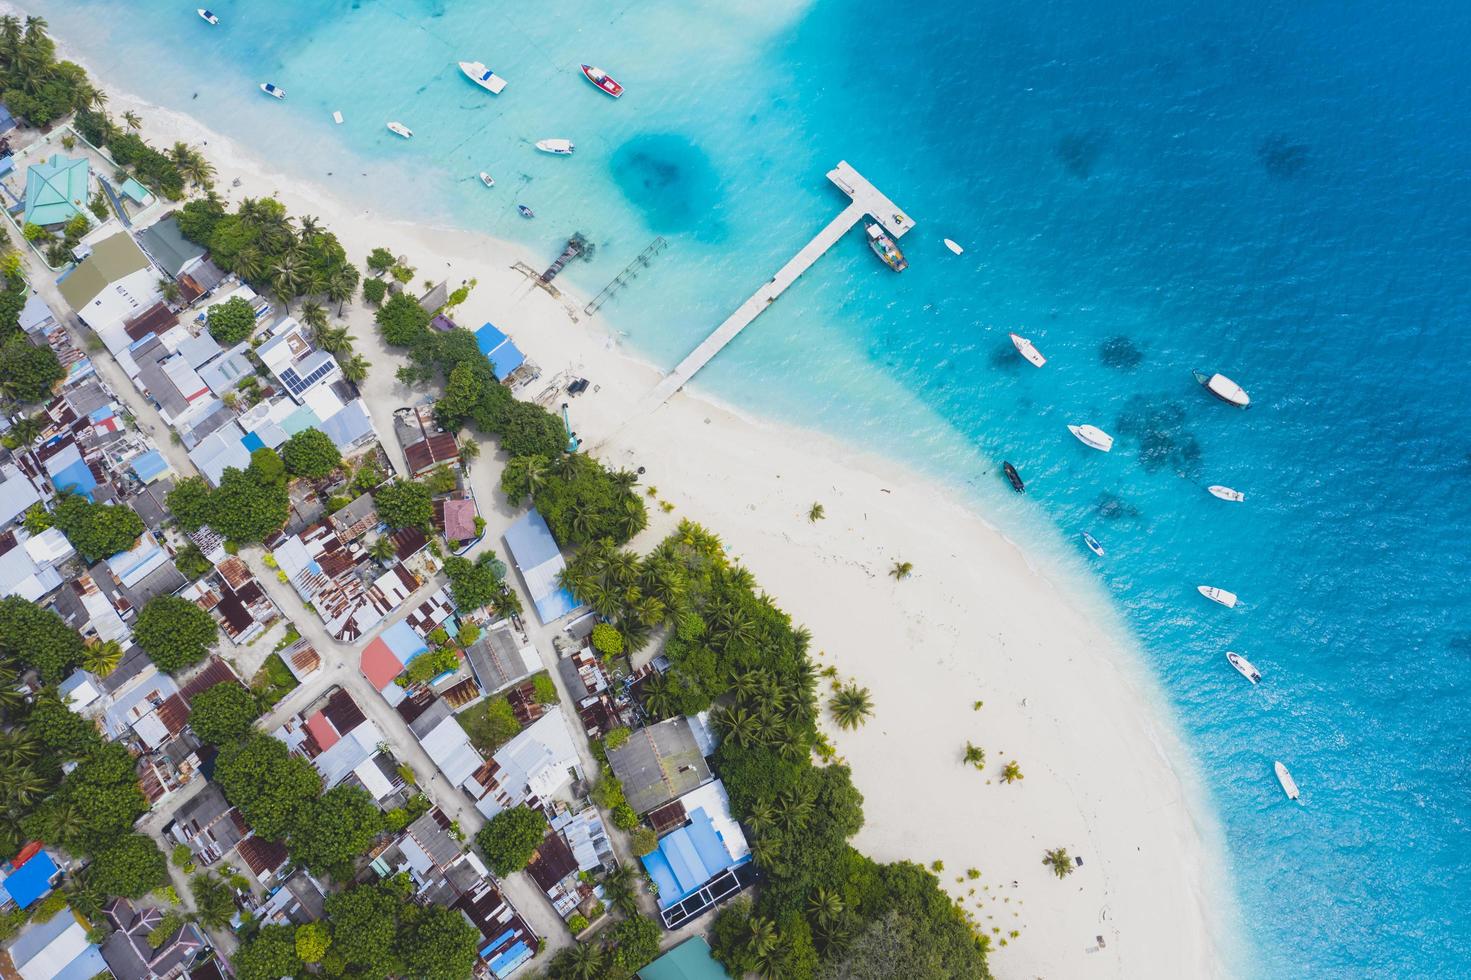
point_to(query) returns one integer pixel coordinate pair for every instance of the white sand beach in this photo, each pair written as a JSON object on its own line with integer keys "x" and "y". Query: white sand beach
{"x": 977, "y": 621}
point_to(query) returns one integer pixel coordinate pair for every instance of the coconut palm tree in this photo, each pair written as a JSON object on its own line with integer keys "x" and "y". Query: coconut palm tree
{"x": 25, "y": 430}
{"x": 102, "y": 657}
{"x": 288, "y": 276}
{"x": 197, "y": 170}
{"x": 170, "y": 290}
{"x": 1011, "y": 772}
{"x": 383, "y": 548}
{"x": 250, "y": 263}
{"x": 314, "y": 315}
{"x": 1058, "y": 860}
{"x": 901, "y": 570}
{"x": 133, "y": 120}
{"x": 816, "y": 513}
{"x": 762, "y": 939}
{"x": 850, "y": 706}
{"x": 342, "y": 282}
{"x": 825, "y": 905}
{"x": 793, "y": 809}
{"x": 334, "y": 340}
{"x": 469, "y": 451}
{"x": 10, "y": 698}
{"x": 618, "y": 888}
{"x": 355, "y": 369}
{"x": 742, "y": 728}
{"x": 761, "y": 818}
{"x": 659, "y": 696}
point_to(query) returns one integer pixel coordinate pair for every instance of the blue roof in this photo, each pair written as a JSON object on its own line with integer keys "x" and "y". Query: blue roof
{"x": 539, "y": 561}
{"x": 31, "y": 881}
{"x": 687, "y": 858}
{"x": 500, "y": 350}
{"x": 252, "y": 442}
{"x": 349, "y": 424}
{"x": 504, "y": 964}
{"x": 149, "y": 466}
{"x": 489, "y": 338}
{"x": 77, "y": 478}
{"x": 403, "y": 641}
{"x": 7, "y": 121}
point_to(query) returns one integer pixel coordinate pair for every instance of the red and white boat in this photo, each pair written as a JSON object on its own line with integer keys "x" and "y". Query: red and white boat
{"x": 602, "y": 80}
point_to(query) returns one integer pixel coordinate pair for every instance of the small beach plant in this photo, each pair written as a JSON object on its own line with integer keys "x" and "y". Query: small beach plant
{"x": 851, "y": 706}
{"x": 902, "y": 570}
{"x": 975, "y": 756}
{"x": 816, "y": 513}
{"x": 1058, "y": 860}
{"x": 1011, "y": 772}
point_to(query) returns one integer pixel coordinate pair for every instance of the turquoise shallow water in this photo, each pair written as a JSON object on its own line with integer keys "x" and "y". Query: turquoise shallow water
{"x": 1281, "y": 193}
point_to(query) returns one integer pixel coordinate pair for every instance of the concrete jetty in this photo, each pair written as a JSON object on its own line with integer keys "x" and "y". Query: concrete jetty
{"x": 866, "y": 200}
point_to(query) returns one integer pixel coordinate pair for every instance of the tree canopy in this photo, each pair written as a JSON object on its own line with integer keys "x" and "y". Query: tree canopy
{"x": 436, "y": 943}
{"x": 131, "y": 866}
{"x": 248, "y": 506}
{"x": 39, "y": 637}
{"x": 474, "y": 583}
{"x": 404, "y": 503}
{"x": 364, "y": 926}
{"x": 268, "y": 955}
{"x": 174, "y": 632}
{"x": 511, "y": 837}
{"x": 269, "y": 785}
{"x": 231, "y": 321}
{"x": 97, "y": 530}
{"x": 311, "y": 453}
{"x": 581, "y": 499}
{"x": 335, "y": 829}
{"x": 223, "y": 713}
{"x": 27, "y": 372}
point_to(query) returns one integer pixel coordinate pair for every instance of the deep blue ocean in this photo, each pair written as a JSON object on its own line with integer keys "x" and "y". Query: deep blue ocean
{"x": 1281, "y": 192}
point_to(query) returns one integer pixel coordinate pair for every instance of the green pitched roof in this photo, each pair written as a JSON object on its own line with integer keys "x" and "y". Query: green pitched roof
{"x": 56, "y": 190}
{"x": 112, "y": 259}
{"x": 690, "y": 960}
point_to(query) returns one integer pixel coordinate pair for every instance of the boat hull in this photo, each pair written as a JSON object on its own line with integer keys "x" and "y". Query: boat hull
{"x": 556, "y": 147}
{"x": 400, "y": 130}
{"x": 1224, "y": 389}
{"x": 1014, "y": 477}
{"x": 954, "y": 247}
{"x": 1093, "y": 544}
{"x": 886, "y": 248}
{"x": 487, "y": 179}
{"x": 602, "y": 81}
{"x": 1227, "y": 599}
{"x": 483, "y": 77}
{"x": 272, "y": 90}
{"x": 1243, "y": 667}
{"x": 1226, "y": 493}
{"x": 1024, "y": 347}
{"x": 1092, "y": 437}
{"x": 1289, "y": 785}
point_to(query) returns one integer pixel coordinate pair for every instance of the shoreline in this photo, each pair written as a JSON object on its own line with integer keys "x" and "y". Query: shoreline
{"x": 1097, "y": 753}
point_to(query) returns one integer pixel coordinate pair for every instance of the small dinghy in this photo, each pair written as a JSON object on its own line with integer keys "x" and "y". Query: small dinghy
{"x": 400, "y": 129}
{"x": 1243, "y": 667}
{"x": 953, "y": 247}
{"x": 337, "y": 116}
{"x": 556, "y": 147}
{"x": 483, "y": 76}
{"x": 1025, "y": 349}
{"x": 1093, "y": 544}
{"x": 525, "y": 211}
{"x": 1226, "y": 493}
{"x": 273, "y": 90}
{"x": 1014, "y": 477}
{"x": 1227, "y": 599}
{"x": 1093, "y": 437}
{"x": 1224, "y": 388}
{"x": 208, "y": 17}
{"x": 487, "y": 179}
{"x": 1289, "y": 785}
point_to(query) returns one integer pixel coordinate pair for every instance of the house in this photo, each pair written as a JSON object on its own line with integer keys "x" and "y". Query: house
{"x": 208, "y": 825}
{"x": 264, "y": 858}
{"x": 502, "y": 353}
{"x": 500, "y": 658}
{"x": 509, "y": 941}
{"x": 703, "y": 860}
{"x": 112, "y": 284}
{"x": 690, "y": 960}
{"x": 235, "y": 599}
{"x": 302, "y": 659}
{"x": 130, "y": 953}
{"x": 29, "y": 878}
{"x": 54, "y": 950}
{"x": 297, "y": 364}
{"x": 436, "y": 449}
{"x": 56, "y": 190}
{"x": 659, "y": 763}
{"x": 20, "y": 573}
{"x": 445, "y": 741}
{"x": 330, "y": 574}
{"x": 17, "y": 494}
{"x": 554, "y": 870}
{"x": 536, "y": 556}
{"x": 296, "y": 901}
{"x": 433, "y": 613}
{"x": 343, "y": 745}
{"x": 169, "y": 249}
{"x": 385, "y": 657}
{"x": 530, "y": 768}
{"x": 356, "y": 518}
{"x": 455, "y": 518}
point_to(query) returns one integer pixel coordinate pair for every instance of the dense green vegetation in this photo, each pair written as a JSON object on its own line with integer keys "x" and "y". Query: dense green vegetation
{"x": 36, "y": 86}
{"x": 27, "y": 372}
{"x": 511, "y": 837}
{"x": 174, "y": 632}
{"x": 39, "y": 638}
{"x": 231, "y": 321}
{"x": 613, "y": 954}
{"x": 270, "y": 786}
{"x": 97, "y": 530}
{"x": 481, "y": 582}
{"x": 248, "y": 506}
{"x": 404, "y": 503}
{"x": 377, "y": 932}
{"x": 223, "y": 713}
{"x": 311, "y": 453}
{"x": 583, "y": 502}
{"x": 733, "y": 650}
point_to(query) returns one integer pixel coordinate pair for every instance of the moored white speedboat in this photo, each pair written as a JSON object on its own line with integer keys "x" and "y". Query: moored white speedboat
{"x": 953, "y": 246}
{"x": 1025, "y": 349}
{"x": 1227, "y": 599}
{"x": 208, "y": 16}
{"x": 556, "y": 147}
{"x": 1244, "y": 667}
{"x": 1224, "y": 388}
{"x": 1226, "y": 493}
{"x": 487, "y": 179}
{"x": 1093, "y": 544}
{"x": 602, "y": 80}
{"x": 1289, "y": 785}
{"x": 400, "y": 129}
{"x": 483, "y": 76}
{"x": 273, "y": 90}
{"x": 1093, "y": 437}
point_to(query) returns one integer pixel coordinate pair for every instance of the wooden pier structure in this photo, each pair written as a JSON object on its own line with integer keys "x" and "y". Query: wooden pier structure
{"x": 866, "y": 201}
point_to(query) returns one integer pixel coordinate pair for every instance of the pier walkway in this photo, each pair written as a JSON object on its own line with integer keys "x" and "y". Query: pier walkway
{"x": 866, "y": 200}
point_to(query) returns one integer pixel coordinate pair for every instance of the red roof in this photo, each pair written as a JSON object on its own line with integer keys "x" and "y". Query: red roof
{"x": 322, "y": 730}
{"x": 379, "y": 664}
{"x": 459, "y": 519}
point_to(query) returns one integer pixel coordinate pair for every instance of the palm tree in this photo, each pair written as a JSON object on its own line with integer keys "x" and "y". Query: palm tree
{"x": 169, "y": 289}
{"x": 341, "y": 284}
{"x": 25, "y": 430}
{"x": 659, "y": 699}
{"x": 825, "y": 905}
{"x": 901, "y": 570}
{"x": 618, "y": 888}
{"x": 850, "y": 706}
{"x": 10, "y": 36}
{"x": 355, "y": 369}
{"x": 383, "y": 548}
{"x": 748, "y": 682}
{"x": 580, "y": 961}
{"x": 761, "y": 818}
{"x": 469, "y": 451}
{"x": 178, "y": 153}
{"x": 250, "y": 263}
{"x": 287, "y": 276}
{"x": 197, "y": 170}
{"x": 101, "y": 658}
{"x": 334, "y": 340}
{"x": 793, "y": 810}
{"x": 1057, "y": 859}
{"x": 95, "y": 98}
{"x": 1011, "y": 772}
{"x": 9, "y": 697}
{"x": 741, "y": 727}
{"x": 975, "y": 756}
{"x": 816, "y": 513}
{"x": 133, "y": 120}
{"x": 314, "y": 315}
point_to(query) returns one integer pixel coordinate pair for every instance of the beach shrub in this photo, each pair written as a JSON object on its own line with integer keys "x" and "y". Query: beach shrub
{"x": 403, "y": 322}
{"x": 174, "y": 632}
{"x": 527, "y": 429}
{"x": 311, "y": 453}
{"x": 197, "y": 219}
{"x": 606, "y": 639}
{"x": 511, "y": 837}
{"x": 61, "y": 729}
{"x": 27, "y": 373}
{"x": 97, "y": 530}
{"x": 231, "y": 321}
{"x": 223, "y": 713}
{"x": 577, "y": 923}
{"x": 374, "y": 290}
{"x": 380, "y": 260}
{"x": 581, "y": 500}
{"x": 643, "y": 841}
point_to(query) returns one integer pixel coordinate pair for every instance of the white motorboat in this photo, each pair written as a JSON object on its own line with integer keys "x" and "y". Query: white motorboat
{"x": 483, "y": 76}
{"x": 487, "y": 179}
{"x": 1025, "y": 349}
{"x": 1224, "y": 388}
{"x": 273, "y": 90}
{"x": 1244, "y": 667}
{"x": 1289, "y": 785}
{"x": 400, "y": 129}
{"x": 1093, "y": 544}
{"x": 1227, "y": 599}
{"x": 208, "y": 17}
{"x": 1093, "y": 437}
{"x": 556, "y": 147}
{"x": 1226, "y": 493}
{"x": 953, "y": 247}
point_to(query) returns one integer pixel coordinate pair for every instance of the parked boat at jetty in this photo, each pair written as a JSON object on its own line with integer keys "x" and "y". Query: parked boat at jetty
{"x": 1025, "y": 348}
{"x": 483, "y": 76}
{"x": 271, "y": 89}
{"x": 1014, "y": 477}
{"x": 1227, "y": 599}
{"x": 1093, "y": 437}
{"x": 602, "y": 80}
{"x": 1226, "y": 493}
{"x": 1289, "y": 785}
{"x": 885, "y": 247}
{"x": 1224, "y": 388}
{"x": 1244, "y": 667}
{"x": 556, "y": 147}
